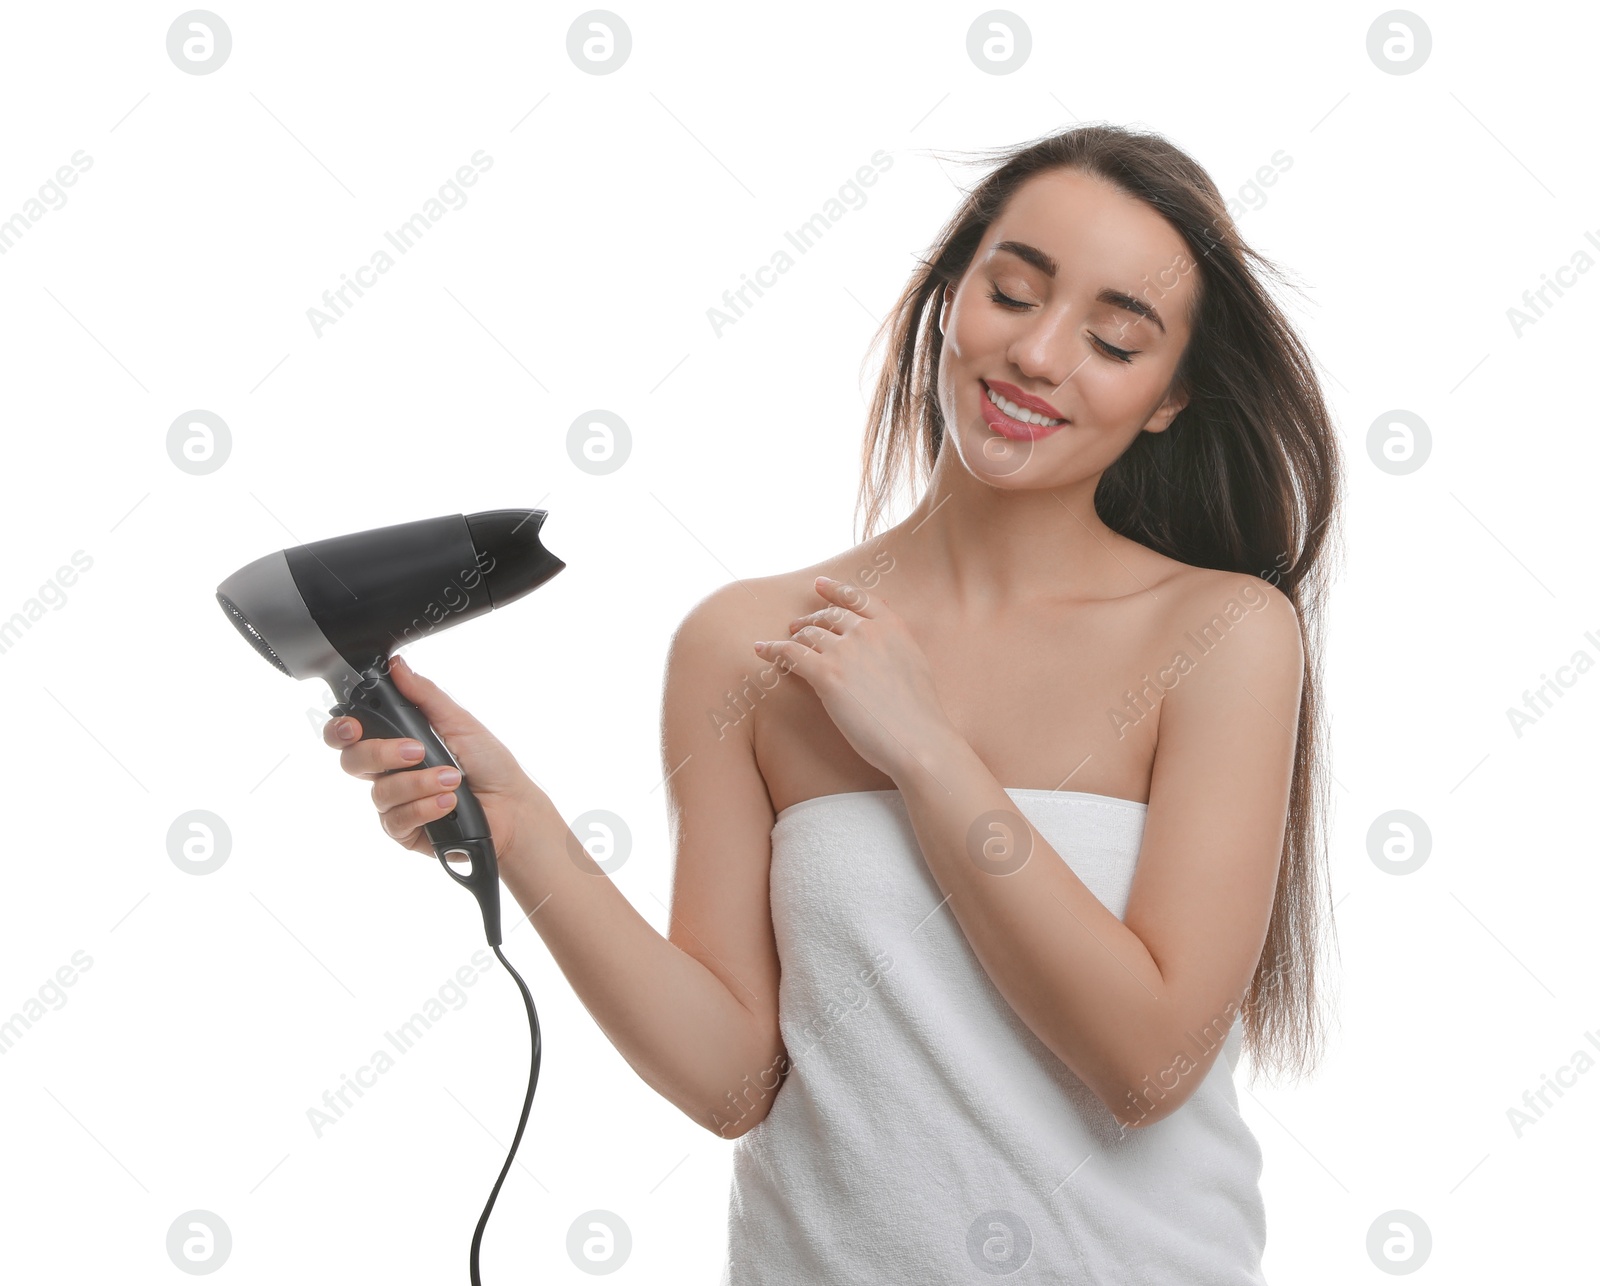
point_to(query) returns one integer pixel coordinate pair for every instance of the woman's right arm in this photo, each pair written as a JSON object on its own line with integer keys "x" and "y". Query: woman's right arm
{"x": 694, "y": 1013}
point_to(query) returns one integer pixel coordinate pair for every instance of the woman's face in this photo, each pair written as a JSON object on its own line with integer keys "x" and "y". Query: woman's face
{"x": 1094, "y": 291}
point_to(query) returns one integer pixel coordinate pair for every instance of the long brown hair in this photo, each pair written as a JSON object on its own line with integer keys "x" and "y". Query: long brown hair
{"x": 1247, "y": 478}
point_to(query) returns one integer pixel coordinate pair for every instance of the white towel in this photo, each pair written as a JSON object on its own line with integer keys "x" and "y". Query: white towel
{"x": 924, "y": 1134}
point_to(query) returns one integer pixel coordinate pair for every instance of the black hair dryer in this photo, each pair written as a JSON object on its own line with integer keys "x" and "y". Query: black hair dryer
{"x": 337, "y": 609}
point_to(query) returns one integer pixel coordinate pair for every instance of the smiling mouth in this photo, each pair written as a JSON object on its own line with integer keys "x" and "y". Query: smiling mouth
{"x": 1019, "y": 423}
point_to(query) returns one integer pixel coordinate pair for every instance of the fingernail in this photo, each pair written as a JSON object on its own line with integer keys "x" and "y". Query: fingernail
{"x": 411, "y": 750}
{"x": 345, "y": 730}
{"x": 449, "y": 777}
{"x": 398, "y": 663}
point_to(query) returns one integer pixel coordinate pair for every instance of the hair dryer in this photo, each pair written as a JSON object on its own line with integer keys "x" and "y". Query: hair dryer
{"x": 337, "y": 609}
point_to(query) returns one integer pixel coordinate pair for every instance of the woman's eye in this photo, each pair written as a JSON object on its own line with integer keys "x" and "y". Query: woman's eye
{"x": 1004, "y": 301}
{"x": 1121, "y": 354}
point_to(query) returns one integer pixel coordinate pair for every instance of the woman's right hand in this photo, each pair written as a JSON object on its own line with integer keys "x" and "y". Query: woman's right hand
{"x": 409, "y": 800}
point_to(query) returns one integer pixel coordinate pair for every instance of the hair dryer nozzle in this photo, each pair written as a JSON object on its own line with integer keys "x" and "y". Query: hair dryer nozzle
{"x": 518, "y": 563}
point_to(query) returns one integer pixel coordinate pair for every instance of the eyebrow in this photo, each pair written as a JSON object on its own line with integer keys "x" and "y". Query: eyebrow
{"x": 1045, "y": 264}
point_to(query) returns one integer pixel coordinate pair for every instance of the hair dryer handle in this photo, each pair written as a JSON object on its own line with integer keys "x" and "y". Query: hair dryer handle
{"x": 383, "y": 711}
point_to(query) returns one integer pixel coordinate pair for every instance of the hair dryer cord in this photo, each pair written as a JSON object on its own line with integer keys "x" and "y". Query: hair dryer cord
{"x": 527, "y": 1104}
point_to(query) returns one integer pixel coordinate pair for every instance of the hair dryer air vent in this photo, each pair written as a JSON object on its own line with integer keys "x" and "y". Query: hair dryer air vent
{"x": 242, "y": 623}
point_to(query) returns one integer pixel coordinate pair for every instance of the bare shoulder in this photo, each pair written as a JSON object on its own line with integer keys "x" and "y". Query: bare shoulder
{"x": 708, "y": 658}
{"x": 712, "y": 664}
{"x": 730, "y": 618}
{"x": 762, "y": 606}
{"x": 1238, "y": 629}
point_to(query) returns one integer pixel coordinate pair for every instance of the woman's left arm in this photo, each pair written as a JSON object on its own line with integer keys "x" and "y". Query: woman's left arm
{"x": 1137, "y": 1007}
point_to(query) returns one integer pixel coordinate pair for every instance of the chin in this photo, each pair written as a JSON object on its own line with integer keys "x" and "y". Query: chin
{"x": 998, "y": 460}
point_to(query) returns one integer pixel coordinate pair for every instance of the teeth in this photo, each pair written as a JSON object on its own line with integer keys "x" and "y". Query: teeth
{"x": 1018, "y": 413}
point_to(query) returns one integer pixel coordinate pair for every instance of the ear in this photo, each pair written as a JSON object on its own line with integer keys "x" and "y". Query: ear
{"x": 945, "y": 306}
{"x": 1167, "y": 411}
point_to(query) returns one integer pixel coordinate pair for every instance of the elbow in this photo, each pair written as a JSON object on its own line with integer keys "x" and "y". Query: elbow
{"x": 730, "y": 1130}
{"x": 1135, "y": 1111}
{"x": 1157, "y": 1089}
{"x": 732, "y": 1121}
{"x": 740, "y": 1109}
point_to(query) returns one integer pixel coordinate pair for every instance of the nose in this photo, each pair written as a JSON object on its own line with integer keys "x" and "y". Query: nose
{"x": 1041, "y": 352}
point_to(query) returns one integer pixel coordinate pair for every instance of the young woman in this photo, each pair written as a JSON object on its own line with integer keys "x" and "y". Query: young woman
{"x": 997, "y": 835}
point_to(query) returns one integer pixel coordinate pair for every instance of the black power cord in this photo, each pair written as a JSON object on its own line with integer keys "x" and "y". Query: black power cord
{"x": 483, "y": 880}
{"x": 527, "y": 1104}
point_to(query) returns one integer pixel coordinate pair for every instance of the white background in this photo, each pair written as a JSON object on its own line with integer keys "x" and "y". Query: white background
{"x": 177, "y": 276}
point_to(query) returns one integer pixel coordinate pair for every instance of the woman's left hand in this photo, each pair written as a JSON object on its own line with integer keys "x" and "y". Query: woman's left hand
{"x": 870, "y": 674}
